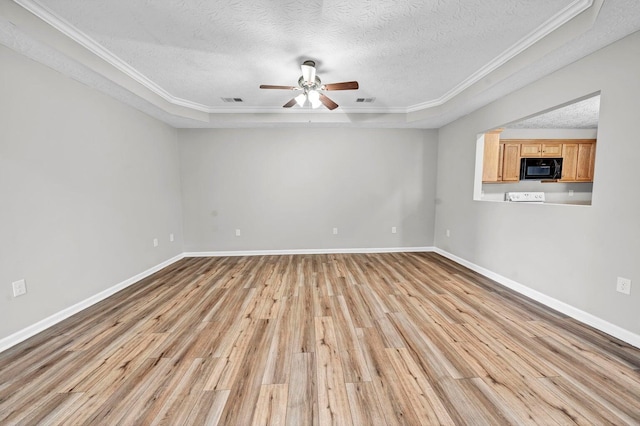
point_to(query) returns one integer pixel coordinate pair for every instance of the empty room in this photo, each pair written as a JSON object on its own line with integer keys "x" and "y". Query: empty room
{"x": 414, "y": 212}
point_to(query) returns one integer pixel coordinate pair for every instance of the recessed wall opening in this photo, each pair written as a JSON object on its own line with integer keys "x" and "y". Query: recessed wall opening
{"x": 548, "y": 157}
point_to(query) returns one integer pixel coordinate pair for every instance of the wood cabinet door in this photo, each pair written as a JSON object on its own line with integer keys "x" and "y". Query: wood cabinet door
{"x": 569, "y": 161}
{"x": 585, "y": 162}
{"x": 501, "y": 162}
{"x": 511, "y": 162}
{"x": 528, "y": 150}
{"x": 491, "y": 158}
{"x": 551, "y": 150}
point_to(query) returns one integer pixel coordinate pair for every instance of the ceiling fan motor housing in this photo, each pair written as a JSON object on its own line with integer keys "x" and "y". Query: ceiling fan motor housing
{"x": 309, "y": 77}
{"x": 306, "y": 85}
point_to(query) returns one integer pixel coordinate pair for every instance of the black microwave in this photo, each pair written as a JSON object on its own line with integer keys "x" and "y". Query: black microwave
{"x": 540, "y": 168}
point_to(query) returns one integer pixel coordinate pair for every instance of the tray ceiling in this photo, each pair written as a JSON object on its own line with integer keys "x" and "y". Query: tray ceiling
{"x": 411, "y": 55}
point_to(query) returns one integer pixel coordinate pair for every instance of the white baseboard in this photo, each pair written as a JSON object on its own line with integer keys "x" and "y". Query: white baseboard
{"x": 52, "y": 320}
{"x": 580, "y": 315}
{"x": 32, "y": 330}
{"x": 307, "y": 251}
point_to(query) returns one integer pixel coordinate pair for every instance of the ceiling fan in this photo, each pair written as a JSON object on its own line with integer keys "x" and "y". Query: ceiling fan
{"x": 311, "y": 87}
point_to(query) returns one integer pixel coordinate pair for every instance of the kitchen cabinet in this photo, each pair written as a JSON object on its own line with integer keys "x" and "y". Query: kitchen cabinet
{"x": 586, "y": 160}
{"x": 492, "y": 159}
{"x": 541, "y": 149}
{"x": 511, "y": 162}
{"x": 578, "y": 160}
{"x": 501, "y": 162}
{"x": 569, "y": 161}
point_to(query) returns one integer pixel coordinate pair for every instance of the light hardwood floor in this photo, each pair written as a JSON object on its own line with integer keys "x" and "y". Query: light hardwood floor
{"x": 362, "y": 339}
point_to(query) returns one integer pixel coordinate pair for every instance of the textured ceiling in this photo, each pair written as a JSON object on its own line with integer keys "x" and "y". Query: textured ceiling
{"x": 411, "y": 56}
{"x": 583, "y": 114}
{"x": 402, "y": 52}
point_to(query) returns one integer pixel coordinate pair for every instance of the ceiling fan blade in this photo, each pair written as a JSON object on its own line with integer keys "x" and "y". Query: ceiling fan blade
{"x": 328, "y": 102}
{"x": 270, "y": 86}
{"x": 289, "y": 104}
{"x": 347, "y": 85}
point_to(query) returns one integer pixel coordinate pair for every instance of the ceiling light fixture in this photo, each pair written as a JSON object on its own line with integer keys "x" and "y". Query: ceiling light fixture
{"x": 301, "y": 99}
{"x": 311, "y": 86}
{"x": 314, "y": 98}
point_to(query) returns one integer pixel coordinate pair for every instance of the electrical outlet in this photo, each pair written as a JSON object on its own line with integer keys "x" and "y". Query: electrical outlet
{"x": 623, "y": 285}
{"x": 335, "y": 231}
{"x": 171, "y": 237}
{"x": 155, "y": 242}
{"x": 394, "y": 230}
{"x": 237, "y": 232}
{"x": 19, "y": 288}
{"x": 448, "y": 233}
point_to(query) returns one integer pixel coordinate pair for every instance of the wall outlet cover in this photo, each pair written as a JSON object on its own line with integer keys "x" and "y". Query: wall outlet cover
{"x": 623, "y": 285}
{"x": 19, "y": 288}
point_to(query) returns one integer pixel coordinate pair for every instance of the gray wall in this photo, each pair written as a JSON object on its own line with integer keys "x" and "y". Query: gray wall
{"x": 570, "y": 253}
{"x": 288, "y": 188}
{"x": 86, "y": 183}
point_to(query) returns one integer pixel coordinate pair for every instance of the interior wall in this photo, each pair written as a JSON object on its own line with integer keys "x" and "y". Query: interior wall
{"x": 572, "y": 254}
{"x": 86, "y": 183}
{"x": 286, "y": 189}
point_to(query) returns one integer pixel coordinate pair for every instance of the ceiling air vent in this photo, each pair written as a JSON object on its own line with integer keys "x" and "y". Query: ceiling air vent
{"x": 365, "y": 100}
{"x": 232, "y": 100}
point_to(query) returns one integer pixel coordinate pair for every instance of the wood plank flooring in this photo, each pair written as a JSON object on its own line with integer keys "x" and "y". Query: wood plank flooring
{"x": 353, "y": 339}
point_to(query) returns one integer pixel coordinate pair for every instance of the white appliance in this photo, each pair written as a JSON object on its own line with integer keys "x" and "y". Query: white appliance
{"x": 524, "y": 197}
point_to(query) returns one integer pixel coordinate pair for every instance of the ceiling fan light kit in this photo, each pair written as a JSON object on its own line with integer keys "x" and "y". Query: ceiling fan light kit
{"x": 311, "y": 86}
{"x": 312, "y": 96}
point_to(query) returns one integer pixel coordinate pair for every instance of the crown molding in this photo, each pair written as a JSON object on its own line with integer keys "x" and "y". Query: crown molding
{"x": 66, "y": 28}
{"x": 552, "y": 24}
{"x": 90, "y": 44}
